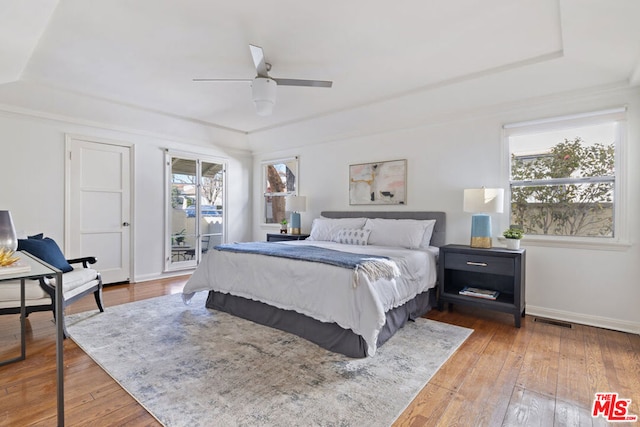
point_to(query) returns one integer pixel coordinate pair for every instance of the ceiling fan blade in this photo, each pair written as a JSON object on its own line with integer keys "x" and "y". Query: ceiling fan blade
{"x": 298, "y": 82}
{"x": 258, "y": 60}
{"x": 222, "y": 80}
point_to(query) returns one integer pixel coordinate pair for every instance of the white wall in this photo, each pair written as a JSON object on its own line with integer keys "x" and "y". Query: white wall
{"x": 32, "y": 184}
{"x": 592, "y": 286}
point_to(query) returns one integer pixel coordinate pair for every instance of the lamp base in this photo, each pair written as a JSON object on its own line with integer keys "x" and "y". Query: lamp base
{"x": 480, "y": 231}
{"x": 295, "y": 223}
{"x": 481, "y": 242}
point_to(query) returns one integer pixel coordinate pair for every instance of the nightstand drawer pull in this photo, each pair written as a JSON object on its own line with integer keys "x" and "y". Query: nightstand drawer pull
{"x": 478, "y": 264}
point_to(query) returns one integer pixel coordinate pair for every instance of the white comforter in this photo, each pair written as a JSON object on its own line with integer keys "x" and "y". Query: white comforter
{"x": 323, "y": 292}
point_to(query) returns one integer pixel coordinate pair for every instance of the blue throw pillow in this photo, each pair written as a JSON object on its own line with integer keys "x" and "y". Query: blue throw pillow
{"x": 47, "y": 250}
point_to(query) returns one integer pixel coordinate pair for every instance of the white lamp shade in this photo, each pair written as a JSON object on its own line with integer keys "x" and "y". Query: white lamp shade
{"x": 264, "y": 95}
{"x": 484, "y": 200}
{"x": 296, "y": 203}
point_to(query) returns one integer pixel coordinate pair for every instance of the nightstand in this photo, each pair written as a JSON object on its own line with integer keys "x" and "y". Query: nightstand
{"x": 280, "y": 237}
{"x": 495, "y": 269}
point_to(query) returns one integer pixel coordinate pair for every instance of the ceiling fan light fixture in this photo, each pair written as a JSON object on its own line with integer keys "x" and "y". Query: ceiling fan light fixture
{"x": 264, "y": 95}
{"x": 264, "y": 87}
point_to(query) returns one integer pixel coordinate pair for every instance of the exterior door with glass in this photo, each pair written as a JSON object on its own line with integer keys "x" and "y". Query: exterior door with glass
{"x": 195, "y": 212}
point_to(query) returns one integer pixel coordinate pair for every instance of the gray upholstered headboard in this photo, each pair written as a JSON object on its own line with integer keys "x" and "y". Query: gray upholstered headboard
{"x": 437, "y": 239}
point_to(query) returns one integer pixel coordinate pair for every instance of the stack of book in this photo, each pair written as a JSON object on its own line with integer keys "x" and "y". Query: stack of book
{"x": 479, "y": 293}
{"x": 15, "y": 268}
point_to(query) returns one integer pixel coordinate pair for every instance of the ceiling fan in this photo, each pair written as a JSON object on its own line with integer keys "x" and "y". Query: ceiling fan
{"x": 264, "y": 86}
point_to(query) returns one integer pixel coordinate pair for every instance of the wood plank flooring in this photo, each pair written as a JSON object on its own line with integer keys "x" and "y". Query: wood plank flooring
{"x": 540, "y": 374}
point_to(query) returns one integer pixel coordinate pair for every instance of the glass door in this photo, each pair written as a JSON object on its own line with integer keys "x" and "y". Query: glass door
{"x": 195, "y": 212}
{"x": 212, "y": 212}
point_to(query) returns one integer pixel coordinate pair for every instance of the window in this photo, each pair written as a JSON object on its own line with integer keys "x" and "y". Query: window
{"x": 280, "y": 180}
{"x": 564, "y": 175}
{"x": 195, "y": 211}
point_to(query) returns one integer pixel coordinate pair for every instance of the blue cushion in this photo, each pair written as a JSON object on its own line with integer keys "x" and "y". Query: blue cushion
{"x": 36, "y": 236}
{"x": 47, "y": 250}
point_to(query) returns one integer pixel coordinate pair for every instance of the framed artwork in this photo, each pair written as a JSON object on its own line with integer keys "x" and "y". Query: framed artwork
{"x": 379, "y": 183}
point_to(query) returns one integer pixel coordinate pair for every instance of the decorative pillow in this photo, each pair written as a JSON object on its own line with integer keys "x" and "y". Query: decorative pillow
{"x": 36, "y": 236}
{"x": 47, "y": 250}
{"x": 352, "y": 236}
{"x": 326, "y": 228}
{"x": 403, "y": 233}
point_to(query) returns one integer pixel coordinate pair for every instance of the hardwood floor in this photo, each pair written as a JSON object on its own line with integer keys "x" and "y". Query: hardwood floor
{"x": 540, "y": 374}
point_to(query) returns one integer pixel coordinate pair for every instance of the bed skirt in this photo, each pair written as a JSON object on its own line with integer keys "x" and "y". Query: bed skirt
{"x": 327, "y": 335}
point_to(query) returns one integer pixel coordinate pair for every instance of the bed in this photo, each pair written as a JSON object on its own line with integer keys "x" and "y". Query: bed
{"x": 348, "y": 311}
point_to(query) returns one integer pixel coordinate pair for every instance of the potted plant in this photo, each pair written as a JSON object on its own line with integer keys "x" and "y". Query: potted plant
{"x": 283, "y": 226}
{"x": 513, "y": 236}
{"x": 179, "y": 237}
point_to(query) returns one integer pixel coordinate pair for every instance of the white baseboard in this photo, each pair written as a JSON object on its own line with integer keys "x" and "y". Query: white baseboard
{"x": 597, "y": 321}
{"x": 156, "y": 276}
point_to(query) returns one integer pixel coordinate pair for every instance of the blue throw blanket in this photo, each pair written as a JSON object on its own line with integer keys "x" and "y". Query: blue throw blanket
{"x": 374, "y": 266}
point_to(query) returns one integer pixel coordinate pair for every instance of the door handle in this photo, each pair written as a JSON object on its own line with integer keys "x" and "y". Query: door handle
{"x": 125, "y": 224}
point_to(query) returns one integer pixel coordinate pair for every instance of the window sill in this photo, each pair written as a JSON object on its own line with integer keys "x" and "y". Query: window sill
{"x": 600, "y": 244}
{"x": 270, "y": 224}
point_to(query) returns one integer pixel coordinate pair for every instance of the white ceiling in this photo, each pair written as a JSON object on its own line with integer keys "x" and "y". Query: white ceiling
{"x": 142, "y": 55}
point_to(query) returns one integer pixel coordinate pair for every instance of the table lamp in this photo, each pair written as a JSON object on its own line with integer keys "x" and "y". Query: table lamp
{"x": 481, "y": 202}
{"x": 8, "y": 237}
{"x": 295, "y": 204}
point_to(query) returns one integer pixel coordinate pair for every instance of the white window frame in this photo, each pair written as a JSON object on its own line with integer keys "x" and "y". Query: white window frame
{"x": 264, "y": 165}
{"x": 620, "y": 240}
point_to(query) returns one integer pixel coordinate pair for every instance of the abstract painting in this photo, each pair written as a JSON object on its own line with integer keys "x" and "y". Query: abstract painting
{"x": 379, "y": 183}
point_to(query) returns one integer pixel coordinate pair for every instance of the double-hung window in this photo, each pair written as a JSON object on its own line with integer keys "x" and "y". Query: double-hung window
{"x": 280, "y": 179}
{"x": 564, "y": 175}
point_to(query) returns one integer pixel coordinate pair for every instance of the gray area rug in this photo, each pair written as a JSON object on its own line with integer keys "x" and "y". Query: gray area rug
{"x": 192, "y": 366}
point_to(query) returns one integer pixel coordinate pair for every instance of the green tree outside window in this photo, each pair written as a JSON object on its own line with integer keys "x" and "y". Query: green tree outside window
{"x": 567, "y": 191}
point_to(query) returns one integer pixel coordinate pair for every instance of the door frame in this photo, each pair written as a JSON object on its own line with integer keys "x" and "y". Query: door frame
{"x": 67, "y": 191}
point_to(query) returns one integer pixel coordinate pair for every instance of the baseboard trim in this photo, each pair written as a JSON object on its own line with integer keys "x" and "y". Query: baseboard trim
{"x": 597, "y": 321}
{"x": 157, "y": 276}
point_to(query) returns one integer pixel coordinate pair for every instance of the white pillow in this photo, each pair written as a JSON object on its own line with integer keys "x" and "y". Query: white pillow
{"x": 404, "y": 233}
{"x": 326, "y": 229}
{"x": 352, "y": 236}
{"x": 428, "y": 232}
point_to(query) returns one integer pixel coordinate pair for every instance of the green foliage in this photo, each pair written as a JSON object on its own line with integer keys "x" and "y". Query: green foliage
{"x": 513, "y": 233}
{"x": 582, "y": 209}
{"x": 179, "y": 237}
{"x": 176, "y": 198}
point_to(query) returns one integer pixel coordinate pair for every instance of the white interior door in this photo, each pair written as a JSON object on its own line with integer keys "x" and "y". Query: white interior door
{"x": 98, "y": 204}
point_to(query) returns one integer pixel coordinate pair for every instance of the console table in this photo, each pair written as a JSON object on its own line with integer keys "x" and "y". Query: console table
{"x": 37, "y": 270}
